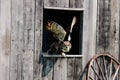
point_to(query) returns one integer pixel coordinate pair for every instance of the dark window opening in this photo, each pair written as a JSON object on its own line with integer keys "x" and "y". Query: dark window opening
{"x": 63, "y": 18}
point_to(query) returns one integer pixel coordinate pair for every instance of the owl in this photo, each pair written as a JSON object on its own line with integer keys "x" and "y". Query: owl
{"x": 60, "y": 46}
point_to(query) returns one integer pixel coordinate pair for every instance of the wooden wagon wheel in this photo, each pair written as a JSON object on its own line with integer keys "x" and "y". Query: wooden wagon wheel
{"x": 103, "y": 67}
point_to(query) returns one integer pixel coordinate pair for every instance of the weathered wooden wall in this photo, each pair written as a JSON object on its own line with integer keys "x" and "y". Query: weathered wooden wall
{"x": 108, "y": 24}
{"x": 21, "y": 24}
{"x": 108, "y": 27}
{"x": 58, "y": 68}
{"x": 5, "y": 30}
{"x": 21, "y": 43}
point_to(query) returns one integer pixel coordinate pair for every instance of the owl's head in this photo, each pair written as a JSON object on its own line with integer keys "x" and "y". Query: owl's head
{"x": 66, "y": 46}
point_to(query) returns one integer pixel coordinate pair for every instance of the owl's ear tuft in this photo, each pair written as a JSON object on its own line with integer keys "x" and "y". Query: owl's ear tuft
{"x": 48, "y": 25}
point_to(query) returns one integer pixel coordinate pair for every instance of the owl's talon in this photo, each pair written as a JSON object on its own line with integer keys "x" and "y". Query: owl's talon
{"x": 63, "y": 54}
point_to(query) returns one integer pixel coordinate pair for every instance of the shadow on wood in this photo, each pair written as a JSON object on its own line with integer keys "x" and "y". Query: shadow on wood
{"x": 83, "y": 75}
{"x": 48, "y": 64}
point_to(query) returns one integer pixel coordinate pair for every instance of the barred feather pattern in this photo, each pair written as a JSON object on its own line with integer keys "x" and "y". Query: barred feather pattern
{"x": 57, "y": 30}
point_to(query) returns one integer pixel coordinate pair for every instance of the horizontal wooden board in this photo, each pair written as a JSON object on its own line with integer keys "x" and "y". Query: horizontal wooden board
{"x": 64, "y": 3}
{"x": 68, "y": 9}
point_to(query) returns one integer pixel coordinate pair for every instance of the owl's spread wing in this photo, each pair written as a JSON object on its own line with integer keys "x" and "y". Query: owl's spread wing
{"x": 57, "y": 30}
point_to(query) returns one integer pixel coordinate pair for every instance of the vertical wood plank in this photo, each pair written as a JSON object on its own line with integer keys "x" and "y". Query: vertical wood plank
{"x": 108, "y": 27}
{"x": 22, "y": 40}
{"x": 5, "y": 28}
{"x": 76, "y": 3}
{"x": 74, "y": 68}
{"x": 38, "y": 40}
{"x": 119, "y": 40}
{"x": 60, "y": 69}
{"x": 77, "y": 68}
{"x": 114, "y": 29}
{"x": 99, "y": 39}
{"x": 28, "y": 44}
{"x": 89, "y": 30}
{"x": 70, "y": 68}
{"x": 43, "y": 67}
{"x": 104, "y": 18}
{"x": 56, "y": 3}
{"x": 16, "y": 40}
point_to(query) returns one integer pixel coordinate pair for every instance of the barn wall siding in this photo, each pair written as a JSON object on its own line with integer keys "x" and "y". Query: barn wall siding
{"x": 64, "y": 3}
{"x": 5, "y": 30}
{"x": 38, "y": 39}
{"x": 21, "y": 32}
{"x": 17, "y": 26}
{"x": 89, "y": 31}
{"x": 107, "y": 37}
{"x": 22, "y": 39}
{"x": 108, "y": 27}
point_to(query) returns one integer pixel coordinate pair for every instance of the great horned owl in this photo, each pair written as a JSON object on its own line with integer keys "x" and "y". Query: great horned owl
{"x": 60, "y": 46}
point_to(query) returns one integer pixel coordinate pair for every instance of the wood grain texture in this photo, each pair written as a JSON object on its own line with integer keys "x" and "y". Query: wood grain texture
{"x": 38, "y": 40}
{"x": 104, "y": 20}
{"x": 5, "y": 28}
{"x": 56, "y": 3}
{"x": 63, "y": 3}
{"x": 76, "y": 3}
{"x": 60, "y": 69}
{"x": 119, "y": 40}
{"x": 108, "y": 27}
{"x": 114, "y": 30}
{"x": 74, "y": 68}
{"x": 28, "y": 38}
{"x": 70, "y": 68}
{"x": 89, "y": 31}
{"x": 17, "y": 29}
{"x": 22, "y": 40}
{"x": 77, "y": 68}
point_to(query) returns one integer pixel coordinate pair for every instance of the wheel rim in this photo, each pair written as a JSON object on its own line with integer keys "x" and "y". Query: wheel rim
{"x": 103, "y": 67}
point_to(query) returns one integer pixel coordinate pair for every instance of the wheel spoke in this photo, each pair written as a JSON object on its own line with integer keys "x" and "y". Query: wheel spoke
{"x": 115, "y": 73}
{"x": 100, "y": 69}
{"x": 110, "y": 73}
{"x": 91, "y": 78}
{"x": 103, "y": 67}
{"x": 95, "y": 72}
{"x": 104, "y": 64}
